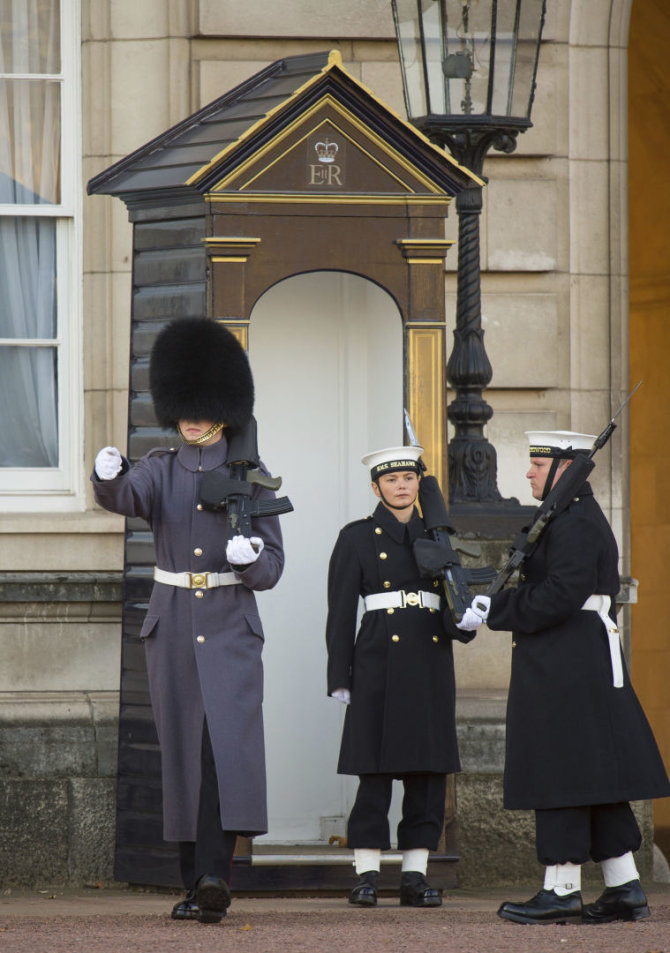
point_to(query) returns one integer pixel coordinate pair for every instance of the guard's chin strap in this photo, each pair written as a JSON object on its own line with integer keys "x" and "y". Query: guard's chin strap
{"x": 391, "y": 506}
{"x": 551, "y": 475}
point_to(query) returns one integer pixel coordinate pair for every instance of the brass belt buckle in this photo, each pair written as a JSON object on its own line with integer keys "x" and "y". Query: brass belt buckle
{"x": 198, "y": 580}
{"x": 412, "y": 599}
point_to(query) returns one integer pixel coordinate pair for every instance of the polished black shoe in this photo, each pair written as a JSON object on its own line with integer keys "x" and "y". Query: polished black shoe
{"x": 212, "y": 897}
{"x": 364, "y": 893}
{"x": 626, "y": 902}
{"x": 415, "y": 891}
{"x": 545, "y": 907}
{"x": 186, "y": 909}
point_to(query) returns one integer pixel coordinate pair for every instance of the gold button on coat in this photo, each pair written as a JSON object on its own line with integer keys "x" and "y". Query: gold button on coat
{"x": 383, "y": 556}
{"x": 387, "y": 584}
{"x": 199, "y": 506}
{"x": 395, "y": 638}
{"x": 199, "y": 594}
{"x": 390, "y": 611}
{"x": 378, "y": 530}
{"x": 197, "y": 551}
{"x": 436, "y": 638}
{"x": 200, "y": 638}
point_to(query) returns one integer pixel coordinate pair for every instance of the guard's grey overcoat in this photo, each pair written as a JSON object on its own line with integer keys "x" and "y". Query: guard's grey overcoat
{"x": 399, "y": 667}
{"x": 203, "y": 651}
{"x": 573, "y": 739}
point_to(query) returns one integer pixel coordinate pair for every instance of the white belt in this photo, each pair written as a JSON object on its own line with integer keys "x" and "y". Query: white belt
{"x": 601, "y": 605}
{"x": 195, "y": 580}
{"x": 401, "y": 599}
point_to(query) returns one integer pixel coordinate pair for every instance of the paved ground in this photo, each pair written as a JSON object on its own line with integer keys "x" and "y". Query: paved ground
{"x": 118, "y": 920}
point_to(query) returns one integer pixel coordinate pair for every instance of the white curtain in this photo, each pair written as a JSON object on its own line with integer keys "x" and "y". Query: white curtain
{"x": 29, "y": 175}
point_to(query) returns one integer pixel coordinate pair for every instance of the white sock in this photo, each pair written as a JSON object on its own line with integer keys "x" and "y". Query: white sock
{"x": 550, "y": 877}
{"x": 366, "y": 858}
{"x": 619, "y": 870}
{"x": 415, "y": 859}
{"x": 563, "y": 878}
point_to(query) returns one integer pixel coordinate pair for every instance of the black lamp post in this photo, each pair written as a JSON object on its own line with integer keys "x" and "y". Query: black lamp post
{"x": 468, "y": 70}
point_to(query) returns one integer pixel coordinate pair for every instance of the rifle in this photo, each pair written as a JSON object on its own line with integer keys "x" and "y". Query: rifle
{"x": 436, "y": 557}
{"x": 233, "y": 493}
{"x": 558, "y": 498}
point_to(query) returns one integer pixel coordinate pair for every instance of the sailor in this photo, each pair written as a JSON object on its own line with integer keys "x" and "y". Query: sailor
{"x": 396, "y": 677}
{"x": 202, "y": 633}
{"x": 579, "y": 746}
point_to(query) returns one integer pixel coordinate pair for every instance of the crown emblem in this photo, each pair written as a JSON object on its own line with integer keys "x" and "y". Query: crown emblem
{"x": 326, "y": 151}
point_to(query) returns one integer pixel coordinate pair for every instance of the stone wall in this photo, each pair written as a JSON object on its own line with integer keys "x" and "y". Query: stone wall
{"x": 58, "y": 743}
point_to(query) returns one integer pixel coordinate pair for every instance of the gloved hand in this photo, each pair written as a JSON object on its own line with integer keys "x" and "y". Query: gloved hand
{"x": 481, "y": 605}
{"x": 108, "y": 463}
{"x": 342, "y": 694}
{"x": 470, "y": 621}
{"x": 241, "y": 551}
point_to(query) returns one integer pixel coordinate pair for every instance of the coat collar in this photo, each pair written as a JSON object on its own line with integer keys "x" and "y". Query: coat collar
{"x": 206, "y": 458}
{"x": 396, "y": 530}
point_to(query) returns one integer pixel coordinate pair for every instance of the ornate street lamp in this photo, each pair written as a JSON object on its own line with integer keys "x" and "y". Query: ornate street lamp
{"x": 468, "y": 70}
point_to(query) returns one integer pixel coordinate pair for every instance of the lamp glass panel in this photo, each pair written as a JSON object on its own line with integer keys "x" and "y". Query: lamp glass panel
{"x": 454, "y": 65}
{"x": 407, "y": 24}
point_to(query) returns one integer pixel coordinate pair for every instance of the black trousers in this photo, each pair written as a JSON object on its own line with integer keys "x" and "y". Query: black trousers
{"x": 212, "y": 851}
{"x": 422, "y": 812}
{"x": 577, "y": 834}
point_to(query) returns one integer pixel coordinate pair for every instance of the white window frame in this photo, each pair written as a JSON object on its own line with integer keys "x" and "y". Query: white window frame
{"x": 60, "y": 489}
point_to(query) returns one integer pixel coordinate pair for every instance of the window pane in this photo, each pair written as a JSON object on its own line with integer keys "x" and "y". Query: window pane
{"x": 30, "y": 36}
{"x": 28, "y": 278}
{"x": 28, "y": 384}
{"x": 30, "y": 143}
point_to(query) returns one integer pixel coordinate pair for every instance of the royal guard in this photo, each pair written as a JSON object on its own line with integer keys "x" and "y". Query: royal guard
{"x": 396, "y": 676}
{"x": 579, "y": 746}
{"x": 202, "y": 633}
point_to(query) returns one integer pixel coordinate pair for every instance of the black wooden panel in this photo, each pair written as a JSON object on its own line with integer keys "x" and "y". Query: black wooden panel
{"x": 144, "y": 439}
{"x": 177, "y": 301}
{"x": 169, "y": 280}
{"x": 154, "y": 865}
{"x": 169, "y": 265}
{"x": 137, "y": 726}
{"x": 171, "y": 234}
{"x": 140, "y": 548}
{"x": 139, "y": 374}
{"x": 138, "y": 583}
{"x": 138, "y": 799}
{"x": 141, "y": 410}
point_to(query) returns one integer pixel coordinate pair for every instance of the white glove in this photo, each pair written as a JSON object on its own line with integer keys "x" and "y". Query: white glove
{"x": 470, "y": 621}
{"x": 481, "y": 606}
{"x": 241, "y": 551}
{"x": 108, "y": 463}
{"x": 342, "y": 694}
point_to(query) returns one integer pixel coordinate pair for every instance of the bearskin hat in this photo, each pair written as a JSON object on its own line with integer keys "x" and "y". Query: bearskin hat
{"x": 200, "y": 371}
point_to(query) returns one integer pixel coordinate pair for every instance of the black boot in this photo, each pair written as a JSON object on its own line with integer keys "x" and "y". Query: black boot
{"x": 212, "y": 896}
{"x": 626, "y": 902}
{"x": 415, "y": 891}
{"x": 186, "y": 909}
{"x": 364, "y": 893}
{"x": 545, "y": 907}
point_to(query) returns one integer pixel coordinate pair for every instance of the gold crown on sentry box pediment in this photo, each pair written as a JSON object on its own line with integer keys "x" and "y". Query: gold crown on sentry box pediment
{"x": 326, "y": 151}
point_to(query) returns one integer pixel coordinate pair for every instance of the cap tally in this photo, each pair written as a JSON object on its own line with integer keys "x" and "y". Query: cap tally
{"x": 558, "y": 443}
{"x": 392, "y": 460}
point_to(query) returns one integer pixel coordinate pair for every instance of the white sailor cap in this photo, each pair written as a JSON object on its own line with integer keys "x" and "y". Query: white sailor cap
{"x": 391, "y": 460}
{"x": 558, "y": 443}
